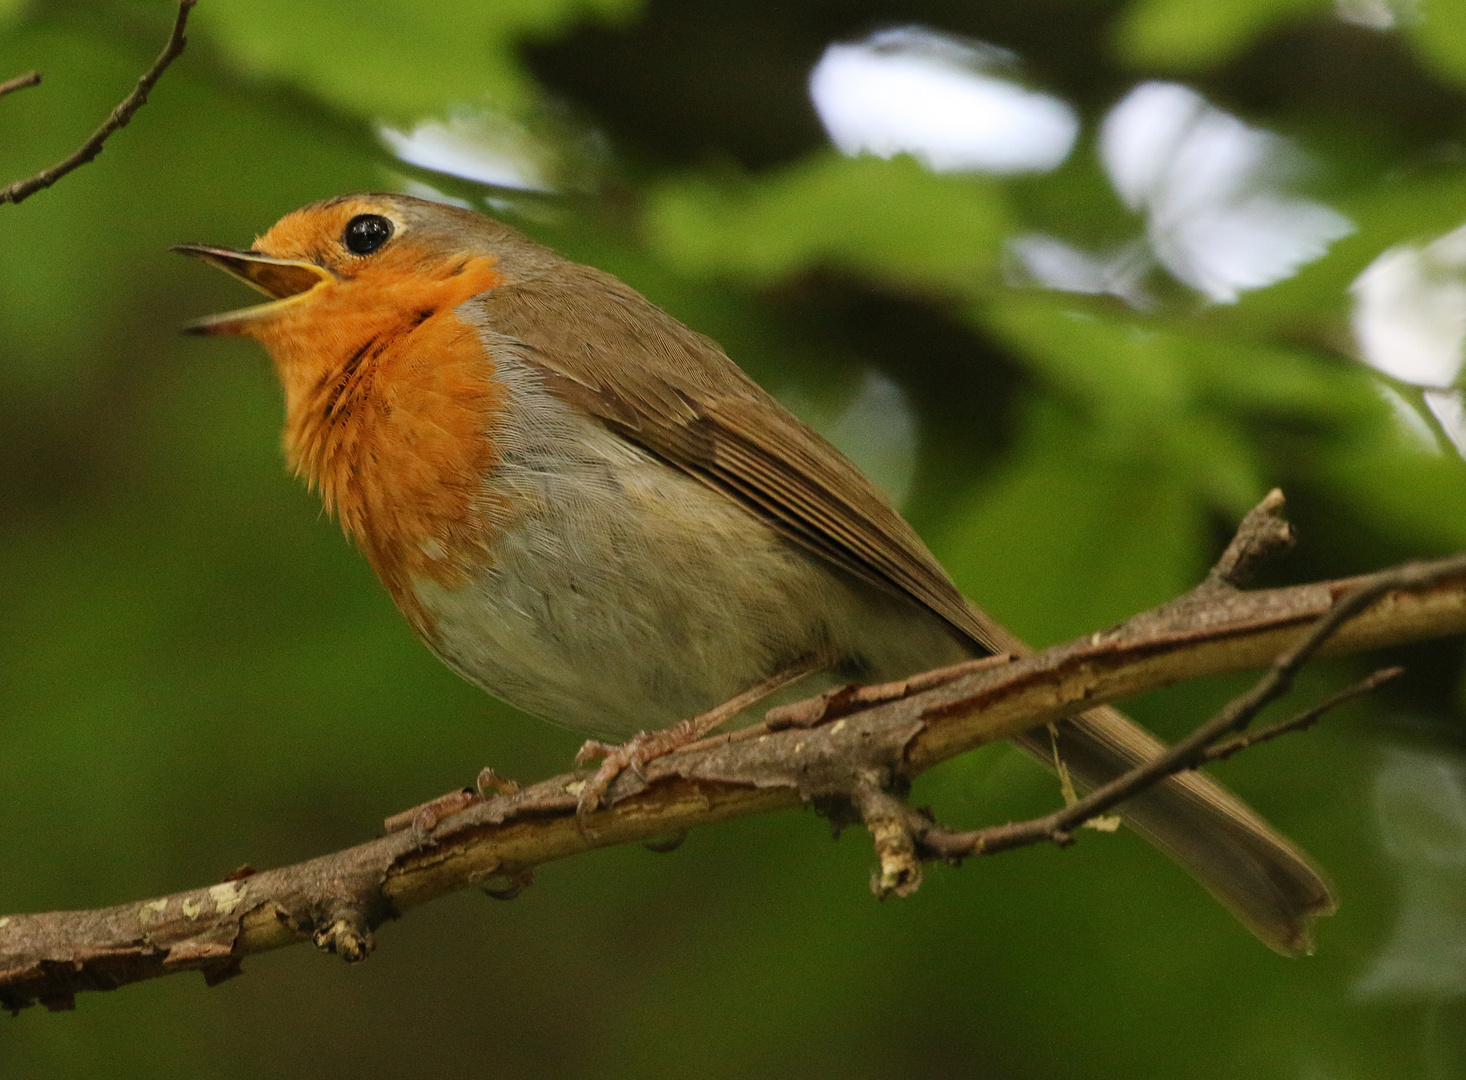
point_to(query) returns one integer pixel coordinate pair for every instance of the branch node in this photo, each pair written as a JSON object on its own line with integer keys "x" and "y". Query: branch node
{"x": 425, "y": 816}
{"x": 852, "y": 698}
{"x": 1263, "y": 535}
{"x": 892, "y": 826}
{"x": 348, "y": 936}
{"x": 1304, "y": 720}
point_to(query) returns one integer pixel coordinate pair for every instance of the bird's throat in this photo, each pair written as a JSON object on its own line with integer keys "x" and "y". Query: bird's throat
{"x": 391, "y": 404}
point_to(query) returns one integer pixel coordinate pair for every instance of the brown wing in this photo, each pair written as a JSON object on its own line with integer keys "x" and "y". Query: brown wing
{"x": 612, "y": 352}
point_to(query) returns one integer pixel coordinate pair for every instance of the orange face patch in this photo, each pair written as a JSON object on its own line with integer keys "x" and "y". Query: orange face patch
{"x": 314, "y": 234}
{"x": 390, "y": 399}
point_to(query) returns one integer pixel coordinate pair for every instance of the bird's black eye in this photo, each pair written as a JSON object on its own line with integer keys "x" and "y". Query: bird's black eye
{"x": 365, "y": 233}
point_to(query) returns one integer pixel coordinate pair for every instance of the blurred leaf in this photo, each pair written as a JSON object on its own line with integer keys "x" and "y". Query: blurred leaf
{"x": 1141, "y": 391}
{"x": 1065, "y": 540}
{"x": 1193, "y": 36}
{"x": 395, "y": 60}
{"x": 893, "y": 221}
{"x": 1438, "y": 28}
{"x": 1417, "y": 497}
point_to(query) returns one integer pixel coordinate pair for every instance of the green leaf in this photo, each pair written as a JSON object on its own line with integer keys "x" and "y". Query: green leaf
{"x": 1412, "y": 496}
{"x": 1195, "y": 35}
{"x": 1438, "y": 30}
{"x": 1141, "y": 391}
{"x": 395, "y": 60}
{"x": 1065, "y": 540}
{"x": 890, "y": 220}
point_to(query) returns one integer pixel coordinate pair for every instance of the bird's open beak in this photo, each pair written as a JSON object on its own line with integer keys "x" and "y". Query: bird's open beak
{"x": 282, "y": 280}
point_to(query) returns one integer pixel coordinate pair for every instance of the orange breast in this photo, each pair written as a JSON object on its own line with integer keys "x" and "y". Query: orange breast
{"x": 391, "y": 404}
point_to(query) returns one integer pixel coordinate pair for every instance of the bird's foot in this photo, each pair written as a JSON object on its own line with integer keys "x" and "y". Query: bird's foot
{"x": 639, "y": 750}
{"x": 647, "y": 746}
{"x": 852, "y": 697}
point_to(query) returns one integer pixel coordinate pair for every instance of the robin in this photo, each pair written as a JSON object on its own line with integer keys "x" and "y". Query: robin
{"x": 588, "y": 510}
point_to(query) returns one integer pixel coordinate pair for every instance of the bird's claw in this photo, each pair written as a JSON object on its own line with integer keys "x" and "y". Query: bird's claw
{"x": 633, "y": 754}
{"x": 594, "y": 749}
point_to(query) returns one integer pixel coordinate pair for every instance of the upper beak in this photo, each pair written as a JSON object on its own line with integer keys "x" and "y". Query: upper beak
{"x": 279, "y": 279}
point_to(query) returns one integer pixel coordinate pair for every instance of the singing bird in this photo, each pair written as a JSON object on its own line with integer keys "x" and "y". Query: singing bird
{"x": 588, "y": 510}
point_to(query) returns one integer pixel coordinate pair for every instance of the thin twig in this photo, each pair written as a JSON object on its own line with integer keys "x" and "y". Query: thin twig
{"x": 20, "y": 82}
{"x": 1304, "y": 720}
{"x": 23, "y": 189}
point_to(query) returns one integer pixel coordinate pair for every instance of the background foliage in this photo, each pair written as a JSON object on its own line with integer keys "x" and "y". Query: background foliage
{"x": 195, "y": 670}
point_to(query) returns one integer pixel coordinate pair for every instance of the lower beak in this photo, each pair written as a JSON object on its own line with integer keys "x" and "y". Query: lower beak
{"x": 283, "y": 280}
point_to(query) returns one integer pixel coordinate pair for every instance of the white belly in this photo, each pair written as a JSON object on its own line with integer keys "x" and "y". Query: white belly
{"x": 624, "y": 595}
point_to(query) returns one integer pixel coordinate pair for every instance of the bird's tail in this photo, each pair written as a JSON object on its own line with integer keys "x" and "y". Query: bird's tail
{"x": 1256, "y": 874}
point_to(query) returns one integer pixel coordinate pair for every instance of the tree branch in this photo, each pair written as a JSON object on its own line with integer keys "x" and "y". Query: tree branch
{"x": 23, "y": 189}
{"x": 20, "y": 82}
{"x": 1197, "y": 748}
{"x": 854, "y": 748}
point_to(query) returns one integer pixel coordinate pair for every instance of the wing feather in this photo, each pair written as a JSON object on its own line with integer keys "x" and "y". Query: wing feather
{"x": 610, "y": 351}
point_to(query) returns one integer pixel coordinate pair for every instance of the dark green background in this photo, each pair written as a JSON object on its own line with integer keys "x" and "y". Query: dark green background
{"x": 196, "y": 671}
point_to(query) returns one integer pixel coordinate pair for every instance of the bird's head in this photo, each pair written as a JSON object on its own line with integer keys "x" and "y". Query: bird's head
{"x": 358, "y": 254}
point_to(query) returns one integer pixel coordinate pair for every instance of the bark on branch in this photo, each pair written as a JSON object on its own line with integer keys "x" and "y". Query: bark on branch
{"x": 23, "y": 189}
{"x": 851, "y": 749}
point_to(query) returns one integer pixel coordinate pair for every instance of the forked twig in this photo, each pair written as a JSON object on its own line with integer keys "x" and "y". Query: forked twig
{"x": 23, "y": 189}
{"x": 1306, "y": 719}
